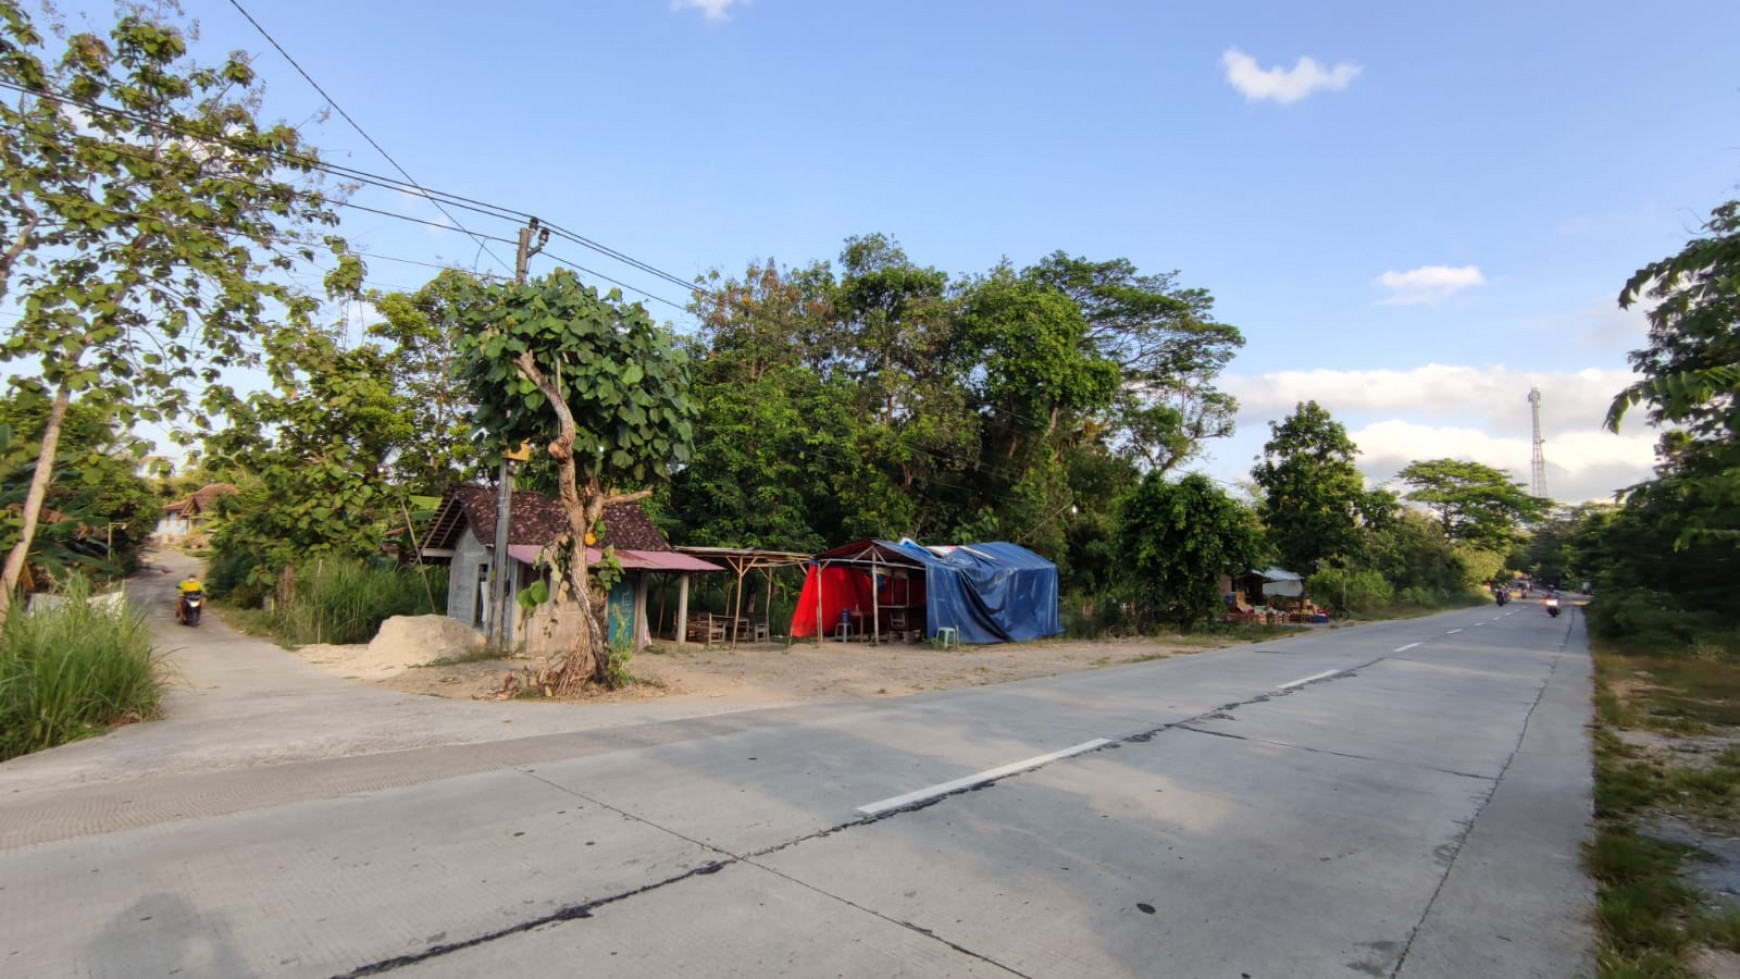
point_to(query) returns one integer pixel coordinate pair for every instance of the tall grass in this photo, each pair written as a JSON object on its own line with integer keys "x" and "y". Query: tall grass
{"x": 343, "y": 602}
{"x": 70, "y": 670}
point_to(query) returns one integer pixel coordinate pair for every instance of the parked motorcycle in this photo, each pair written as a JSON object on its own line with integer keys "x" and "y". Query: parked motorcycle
{"x": 191, "y": 604}
{"x": 1552, "y": 604}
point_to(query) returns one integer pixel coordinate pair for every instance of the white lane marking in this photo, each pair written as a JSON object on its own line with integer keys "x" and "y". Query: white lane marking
{"x": 1478, "y": 624}
{"x": 988, "y": 775}
{"x": 1403, "y": 649}
{"x": 1305, "y": 680}
{"x": 1452, "y": 632}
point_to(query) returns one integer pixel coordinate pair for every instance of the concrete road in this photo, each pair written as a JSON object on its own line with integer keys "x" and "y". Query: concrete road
{"x": 240, "y": 703}
{"x": 1401, "y": 799}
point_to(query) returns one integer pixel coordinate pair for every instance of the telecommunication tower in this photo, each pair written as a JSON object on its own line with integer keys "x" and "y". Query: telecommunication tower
{"x": 1538, "y": 466}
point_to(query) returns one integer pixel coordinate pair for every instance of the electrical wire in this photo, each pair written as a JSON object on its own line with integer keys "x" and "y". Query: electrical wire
{"x": 441, "y": 199}
{"x": 356, "y": 125}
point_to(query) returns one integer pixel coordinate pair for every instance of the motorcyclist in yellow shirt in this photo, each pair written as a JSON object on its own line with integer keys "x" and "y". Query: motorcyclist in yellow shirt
{"x": 190, "y": 585}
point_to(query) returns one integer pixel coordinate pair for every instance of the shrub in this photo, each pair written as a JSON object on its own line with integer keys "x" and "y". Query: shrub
{"x": 1642, "y": 617}
{"x": 71, "y": 669}
{"x": 346, "y": 602}
{"x": 1096, "y": 616}
{"x": 1351, "y": 591}
{"x": 227, "y": 576}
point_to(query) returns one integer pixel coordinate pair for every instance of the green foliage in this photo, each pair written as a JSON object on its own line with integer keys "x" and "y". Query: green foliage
{"x": 875, "y": 397}
{"x": 1691, "y": 367}
{"x": 423, "y": 329}
{"x": 1315, "y": 505}
{"x": 1642, "y": 618}
{"x": 149, "y": 220}
{"x": 342, "y": 602}
{"x": 619, "y": 377}
{"x": 1417, "y": 560}
{"x": 97, "y": 496}
{"x": 1362, "y": 592}
{"x": 69, "y": 670}
{"x": 595, "y": 384}
{"x": 1475, "y": 504}
{"x": 313, "y": 460}
{"x": 1663, "y": 561}
{"x": 1177, "y": 539}
{"x": 1168, "y": 348}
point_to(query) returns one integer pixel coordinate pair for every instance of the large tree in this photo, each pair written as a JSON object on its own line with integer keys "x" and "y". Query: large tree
{"x": 145, "y": 213}
{"x": 1314, "y": 502}
{"x": 1475, "y": 504}
{"x": 1167, "y": 344}
{"x": 1177, "y": 539}
{"x": 1691, "y": 366}
{"x": 419, "y": 336}
{"x": 313, "y": 457}
{"x": 594, "y": 383}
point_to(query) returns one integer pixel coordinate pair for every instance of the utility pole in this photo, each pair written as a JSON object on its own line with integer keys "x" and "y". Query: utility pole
{"x": 501, "y": 629}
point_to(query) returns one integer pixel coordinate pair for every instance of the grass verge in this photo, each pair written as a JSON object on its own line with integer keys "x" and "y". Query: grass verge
{"x": 72, "y": 669}
{"x": 1660, "y": 726}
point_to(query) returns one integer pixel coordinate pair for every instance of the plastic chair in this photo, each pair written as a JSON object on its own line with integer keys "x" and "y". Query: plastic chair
{"x": 843, "y": 628}
{"x": 945, "y": 636}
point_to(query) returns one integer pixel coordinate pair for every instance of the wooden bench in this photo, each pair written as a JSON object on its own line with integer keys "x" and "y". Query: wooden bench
{"x": 706, "y": 629}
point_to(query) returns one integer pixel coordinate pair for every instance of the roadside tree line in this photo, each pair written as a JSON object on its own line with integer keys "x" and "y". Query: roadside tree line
{"x": 1055, "y": 404}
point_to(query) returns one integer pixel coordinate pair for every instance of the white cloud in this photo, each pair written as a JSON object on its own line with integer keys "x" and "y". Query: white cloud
{"x": 1428, "y": 283}
{"x": 1439, "y": 410}
{"x": 1581, "y": 465}
{"x": 1498, "y": 395}
{"x": 713, "y": 10}
{"x": 1284, "y": 85}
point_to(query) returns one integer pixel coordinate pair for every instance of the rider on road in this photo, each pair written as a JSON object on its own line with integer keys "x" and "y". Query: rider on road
{"x": 189, "y": 586}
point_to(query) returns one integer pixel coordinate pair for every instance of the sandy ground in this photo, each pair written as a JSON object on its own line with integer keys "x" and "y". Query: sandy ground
{"x": 773, "y": 673}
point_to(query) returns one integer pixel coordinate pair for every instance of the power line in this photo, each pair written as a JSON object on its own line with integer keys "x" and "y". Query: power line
{"x": 576, "y": 266}
{"x": 441, "y": 199}
{"x": 354, "y": 124}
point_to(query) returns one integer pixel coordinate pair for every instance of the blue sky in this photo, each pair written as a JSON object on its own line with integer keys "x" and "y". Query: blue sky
{"x": 1503, "y": 167}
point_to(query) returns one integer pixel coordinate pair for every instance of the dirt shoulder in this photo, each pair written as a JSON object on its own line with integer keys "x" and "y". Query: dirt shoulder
{"x": 765, "y": 674}
{"x": 1667, "y": 779}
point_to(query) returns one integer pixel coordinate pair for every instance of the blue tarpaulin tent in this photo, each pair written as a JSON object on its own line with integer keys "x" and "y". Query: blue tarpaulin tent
{"x": 988, "y": 593}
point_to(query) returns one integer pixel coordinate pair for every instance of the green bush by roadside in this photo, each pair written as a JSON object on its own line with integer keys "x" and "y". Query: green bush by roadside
{"x": 346, "y": 602}
{"x": 1362, "y": 592}
{"x": 70, "y": 670}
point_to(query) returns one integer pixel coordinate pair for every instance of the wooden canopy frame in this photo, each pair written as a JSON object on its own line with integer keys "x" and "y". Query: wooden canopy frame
{"x": 873, "y": 556}
{"x": 741, "y": 561}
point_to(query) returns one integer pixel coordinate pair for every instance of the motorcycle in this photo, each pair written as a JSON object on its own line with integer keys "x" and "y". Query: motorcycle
{"x": 1552, "y": 605}
{"x": 1503, "y": 597}
{"x": 191, "y": 603}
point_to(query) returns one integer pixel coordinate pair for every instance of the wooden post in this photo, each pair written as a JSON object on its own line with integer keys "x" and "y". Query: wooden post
{"x": 818, "y": 567}
{"x": 683, "y": 609}
{"x": 737, "y": 611}
{"x": 875, "y": 604}
{"x": 640, "y": 627}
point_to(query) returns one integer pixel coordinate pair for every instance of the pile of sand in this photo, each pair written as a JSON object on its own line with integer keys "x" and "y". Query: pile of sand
{"x": 404, "y": 641}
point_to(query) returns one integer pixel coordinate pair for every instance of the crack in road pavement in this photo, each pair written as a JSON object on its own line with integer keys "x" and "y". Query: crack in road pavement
{"x": 1337, "y": 754}
{"x": 1461, "y": 838}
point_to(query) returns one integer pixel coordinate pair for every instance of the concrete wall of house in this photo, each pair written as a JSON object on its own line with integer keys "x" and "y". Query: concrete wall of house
{"x": 468, "y": 584}
{"x": 463, "y": 580}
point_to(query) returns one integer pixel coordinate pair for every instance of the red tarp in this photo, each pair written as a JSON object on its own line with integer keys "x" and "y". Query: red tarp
{"x": 846, "y": 589}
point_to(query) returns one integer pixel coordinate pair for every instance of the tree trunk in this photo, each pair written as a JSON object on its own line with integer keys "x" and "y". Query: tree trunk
{"x": 38, "y": 492}
{"x": 588, "y": 660}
